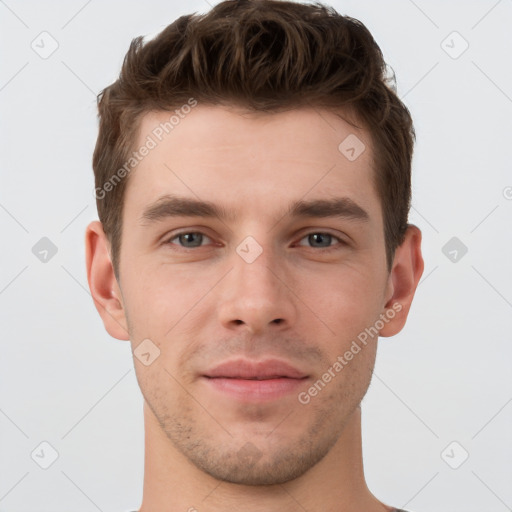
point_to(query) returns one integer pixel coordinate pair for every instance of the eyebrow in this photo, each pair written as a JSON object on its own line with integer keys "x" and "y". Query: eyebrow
{"x": 176, "y": 206}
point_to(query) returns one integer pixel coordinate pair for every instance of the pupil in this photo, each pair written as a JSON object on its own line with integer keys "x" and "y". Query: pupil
{"x": 318, "y": 238}
{"x": 188, "y": 237}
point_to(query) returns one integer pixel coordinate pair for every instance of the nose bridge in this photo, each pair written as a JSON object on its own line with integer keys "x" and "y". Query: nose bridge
{"x": 254, "y": 293}
{"x": 256, "y": 267}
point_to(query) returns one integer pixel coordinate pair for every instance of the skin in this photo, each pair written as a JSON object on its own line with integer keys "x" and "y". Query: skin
{"x": 206, "y": 450}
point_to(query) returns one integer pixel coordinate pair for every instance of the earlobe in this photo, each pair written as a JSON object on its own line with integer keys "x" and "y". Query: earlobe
{"x": 102, "y": 282}
{"x": 404, "y": 278}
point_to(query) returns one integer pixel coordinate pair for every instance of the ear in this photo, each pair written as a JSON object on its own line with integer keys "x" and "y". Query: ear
{"x": 403, "y": 280}
{"x": 105, "y": 290}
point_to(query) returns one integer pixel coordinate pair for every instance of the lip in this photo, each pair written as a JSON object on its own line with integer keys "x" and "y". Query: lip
{"x": 255, "y": 381}
{"x": 246, "y": 369}
{"x": 246, "y": 390}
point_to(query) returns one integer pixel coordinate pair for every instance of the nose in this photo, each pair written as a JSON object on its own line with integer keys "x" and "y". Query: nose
{"x": 257, "y": 296}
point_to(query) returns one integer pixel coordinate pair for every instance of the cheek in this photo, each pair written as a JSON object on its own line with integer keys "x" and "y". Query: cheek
{"x": 346, "y": 301}
{"x": 167, "y": 305}
{"x": 157, "y": 296}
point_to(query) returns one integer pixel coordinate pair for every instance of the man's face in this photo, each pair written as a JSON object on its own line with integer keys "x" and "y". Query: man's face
{"x": 300, "y": 289}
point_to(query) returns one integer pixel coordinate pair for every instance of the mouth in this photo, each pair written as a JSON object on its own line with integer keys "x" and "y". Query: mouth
{"x": 255, "y": 390}
{"x": 254, "y": 378}
{"x": 255, "y": 370}
{"x": 253, "y": 381}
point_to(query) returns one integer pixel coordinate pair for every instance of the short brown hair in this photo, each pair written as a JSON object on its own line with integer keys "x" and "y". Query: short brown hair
{"x": 266, "y": 55}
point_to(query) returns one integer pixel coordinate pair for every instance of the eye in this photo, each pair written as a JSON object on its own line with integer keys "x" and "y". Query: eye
{"x": 321, "y": 240}
{"x": 188, "y": 239}
{"x": 316, "y": 240}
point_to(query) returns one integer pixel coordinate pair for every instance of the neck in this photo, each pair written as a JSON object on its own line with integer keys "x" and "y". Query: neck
{"x": 335, "y": 484}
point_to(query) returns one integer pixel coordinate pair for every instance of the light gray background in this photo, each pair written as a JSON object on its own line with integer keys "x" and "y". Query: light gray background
{"x": 445, "y": 378}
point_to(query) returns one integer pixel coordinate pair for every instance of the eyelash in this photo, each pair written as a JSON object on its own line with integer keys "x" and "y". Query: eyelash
{"x": 341, "y": 244}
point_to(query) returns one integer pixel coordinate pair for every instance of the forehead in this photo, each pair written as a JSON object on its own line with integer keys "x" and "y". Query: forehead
{"x": 254, "y": 161}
